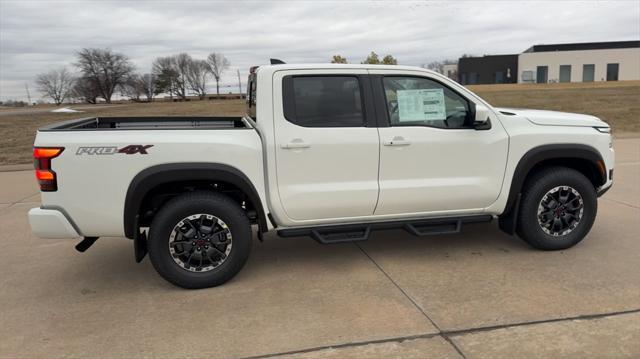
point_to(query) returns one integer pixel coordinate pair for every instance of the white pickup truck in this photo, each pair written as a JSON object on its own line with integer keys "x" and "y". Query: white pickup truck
{"x": 328, "y": 151}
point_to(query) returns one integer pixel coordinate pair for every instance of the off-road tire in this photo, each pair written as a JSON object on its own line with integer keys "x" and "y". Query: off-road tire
{"x": 188, "y": 204}
{"x": 535, "y": 188}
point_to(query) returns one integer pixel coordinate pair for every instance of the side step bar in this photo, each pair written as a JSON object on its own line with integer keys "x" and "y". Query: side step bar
{"x": 360, "y": 232}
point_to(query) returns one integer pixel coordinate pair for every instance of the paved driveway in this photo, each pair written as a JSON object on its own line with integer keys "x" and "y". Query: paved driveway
{"x": 478, "y": 294}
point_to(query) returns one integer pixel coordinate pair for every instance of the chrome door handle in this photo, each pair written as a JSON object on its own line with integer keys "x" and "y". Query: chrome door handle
{"x": 296, "y": 143}
{"x": 397, "y": 141}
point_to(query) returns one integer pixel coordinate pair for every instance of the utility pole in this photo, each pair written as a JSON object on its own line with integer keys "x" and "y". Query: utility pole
{"x": 26, "y": 87}
{"x": 239, "y": 83}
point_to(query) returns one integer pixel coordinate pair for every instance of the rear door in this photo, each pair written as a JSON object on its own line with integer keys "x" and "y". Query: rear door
{"x": 326, "y": 144}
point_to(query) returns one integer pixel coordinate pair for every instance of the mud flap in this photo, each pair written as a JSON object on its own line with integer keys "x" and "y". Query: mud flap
{"x": 508, "y": 221}
{"x": 140, "y": 245}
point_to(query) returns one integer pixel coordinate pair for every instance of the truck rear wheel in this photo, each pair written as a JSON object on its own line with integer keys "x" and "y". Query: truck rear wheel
{"x": 558, "y": 208}
{"x": 199, "y": 240}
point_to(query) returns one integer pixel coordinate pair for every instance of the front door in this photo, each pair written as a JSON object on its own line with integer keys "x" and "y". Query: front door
{"x": 431, "y": 159}
{"x": 326, "y": 156}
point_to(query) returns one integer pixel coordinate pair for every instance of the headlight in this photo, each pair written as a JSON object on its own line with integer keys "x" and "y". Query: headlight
{"x": 603, "y": 129}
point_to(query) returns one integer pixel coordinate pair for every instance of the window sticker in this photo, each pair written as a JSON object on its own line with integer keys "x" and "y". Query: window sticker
{"x": 421, "y": 105}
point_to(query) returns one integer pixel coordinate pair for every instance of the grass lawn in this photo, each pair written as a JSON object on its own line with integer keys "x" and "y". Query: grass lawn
{"x": 618, "y": 103}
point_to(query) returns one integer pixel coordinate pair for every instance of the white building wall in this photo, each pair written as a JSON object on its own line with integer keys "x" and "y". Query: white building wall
{"x": 628, "y": 60}
{"x": 451, "y": 71}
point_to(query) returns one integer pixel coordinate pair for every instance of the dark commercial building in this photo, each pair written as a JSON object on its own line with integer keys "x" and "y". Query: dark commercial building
{"x": 488, "y": 69}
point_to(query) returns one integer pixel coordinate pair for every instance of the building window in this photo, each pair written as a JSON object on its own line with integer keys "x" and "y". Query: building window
{"x": 463, "y": 78}
{"x": 499, "y": 77}
{"x": 588, "y": 72}
{"x": 527, "y": 76}
{"x": 542, "y": 74}
{"x": 612, "y": 72}
{"x": 565, "y": 73}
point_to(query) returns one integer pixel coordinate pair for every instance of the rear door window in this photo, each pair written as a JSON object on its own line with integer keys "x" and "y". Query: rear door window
{"x": 323, "y": 101}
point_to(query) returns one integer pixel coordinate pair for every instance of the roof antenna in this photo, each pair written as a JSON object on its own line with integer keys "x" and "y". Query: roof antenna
{"x": 276, "y": 62}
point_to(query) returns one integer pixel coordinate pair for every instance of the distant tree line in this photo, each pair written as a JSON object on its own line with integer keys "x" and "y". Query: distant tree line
{"x": 103, "y": 72}
{"x": 373, "y": 58}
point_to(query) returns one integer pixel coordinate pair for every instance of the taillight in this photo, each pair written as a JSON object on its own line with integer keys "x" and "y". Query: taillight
{"x": 42, "y": 157}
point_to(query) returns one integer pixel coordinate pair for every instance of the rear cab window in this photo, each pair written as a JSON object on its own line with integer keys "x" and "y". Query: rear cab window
{"x": 323, "y": 101}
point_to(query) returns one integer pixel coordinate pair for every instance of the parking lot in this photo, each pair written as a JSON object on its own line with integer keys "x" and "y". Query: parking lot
{"x": 477, "y": 294}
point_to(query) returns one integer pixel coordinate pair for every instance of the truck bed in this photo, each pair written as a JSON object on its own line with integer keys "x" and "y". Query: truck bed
{"x": 148, "y": 123}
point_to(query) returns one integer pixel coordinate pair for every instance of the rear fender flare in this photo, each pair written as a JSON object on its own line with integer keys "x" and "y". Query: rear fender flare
{"x": 150, "y": 178}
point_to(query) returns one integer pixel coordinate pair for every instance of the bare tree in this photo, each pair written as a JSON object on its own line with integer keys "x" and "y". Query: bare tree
{"x": 56, "y": 84}
{"x": 217, "y": 65}
{"x": 438, "y": 66}
{"x": 132, "y": 88}
{"x": 149, "y": 84}
{"x": 139, "y": 88}
{"x": 85, "y": 90}
{"x": 434, "y": 66}
{"x": 107, "y": 69}
{"x": 182, "y": 63}
{"x": 197, "y": 72}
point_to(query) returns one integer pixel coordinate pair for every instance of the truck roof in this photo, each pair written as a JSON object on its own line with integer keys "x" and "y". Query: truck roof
{"x": 319, "y": 66}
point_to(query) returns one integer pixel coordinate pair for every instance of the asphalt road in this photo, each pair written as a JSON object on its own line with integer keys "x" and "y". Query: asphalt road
{"x": 478, "y": 294}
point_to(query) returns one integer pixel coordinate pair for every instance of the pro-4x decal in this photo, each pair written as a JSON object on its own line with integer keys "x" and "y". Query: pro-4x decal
{"x": 110, "y": 150}
{"x": 133, "y": 149}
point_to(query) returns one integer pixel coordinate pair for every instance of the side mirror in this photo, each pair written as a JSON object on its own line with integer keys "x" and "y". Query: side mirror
{"x": 481, "y": 119}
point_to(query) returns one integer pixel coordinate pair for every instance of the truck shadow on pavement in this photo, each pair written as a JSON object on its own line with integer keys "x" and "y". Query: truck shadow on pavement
{"x": 110, "y": 262}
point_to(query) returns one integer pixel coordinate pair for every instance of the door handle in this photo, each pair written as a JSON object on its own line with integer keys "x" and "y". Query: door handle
{"x": 295, "y": 143}
{"x": 397, "y": 141}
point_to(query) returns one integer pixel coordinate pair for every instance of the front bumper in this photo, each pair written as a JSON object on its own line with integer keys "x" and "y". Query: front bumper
{"x": 51, "y": 223}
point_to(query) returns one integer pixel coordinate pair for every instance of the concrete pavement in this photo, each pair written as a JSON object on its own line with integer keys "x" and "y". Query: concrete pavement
{"x": 478, "y": 294}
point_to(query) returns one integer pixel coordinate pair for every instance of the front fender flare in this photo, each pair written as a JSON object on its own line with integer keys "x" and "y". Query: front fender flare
{"x": 535, "y": 156}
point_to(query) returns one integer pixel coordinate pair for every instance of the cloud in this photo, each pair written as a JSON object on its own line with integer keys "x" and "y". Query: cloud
{"x": 37, "y": 36}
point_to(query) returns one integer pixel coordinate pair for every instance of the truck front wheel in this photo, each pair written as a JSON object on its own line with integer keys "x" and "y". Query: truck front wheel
{"x": 199, "y": 240}
{"x": 558, "y": 208}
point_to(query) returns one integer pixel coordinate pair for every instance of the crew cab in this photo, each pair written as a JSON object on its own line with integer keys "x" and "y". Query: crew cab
{"x": 327, "y": 151}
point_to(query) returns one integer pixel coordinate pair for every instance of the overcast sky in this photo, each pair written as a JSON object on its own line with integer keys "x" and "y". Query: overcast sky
{"x": 37, "y": 36}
